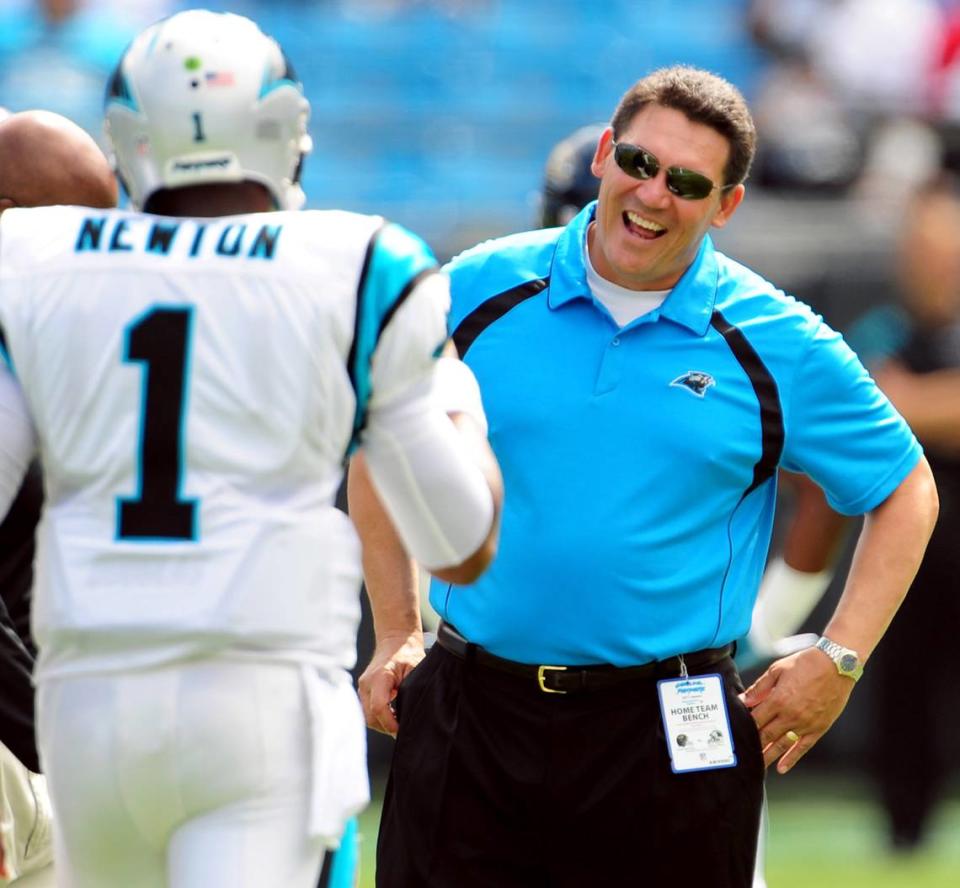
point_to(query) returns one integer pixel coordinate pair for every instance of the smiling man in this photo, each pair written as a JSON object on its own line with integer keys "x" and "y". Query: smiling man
{"x": 580, "y": 720}
{"x": 646, "y": 236}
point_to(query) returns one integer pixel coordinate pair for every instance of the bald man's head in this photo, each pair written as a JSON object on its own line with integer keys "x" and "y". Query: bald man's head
{"x": 46, "y": 160}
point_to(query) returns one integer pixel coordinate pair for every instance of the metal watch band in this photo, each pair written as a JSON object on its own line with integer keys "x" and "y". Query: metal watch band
{"x": 830, "y": 648}
{"x": 837, "y": 652}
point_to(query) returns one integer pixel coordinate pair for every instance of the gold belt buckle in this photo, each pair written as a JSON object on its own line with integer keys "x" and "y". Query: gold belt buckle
{"x": 541, "y": 673}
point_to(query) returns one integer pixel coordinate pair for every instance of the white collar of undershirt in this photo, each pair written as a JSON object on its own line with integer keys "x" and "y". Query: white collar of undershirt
{"x": 624, "y": 305}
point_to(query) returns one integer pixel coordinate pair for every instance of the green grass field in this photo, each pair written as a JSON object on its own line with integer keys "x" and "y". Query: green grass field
{"x": 820, "y": 837}
{"x": 839, "y": 842}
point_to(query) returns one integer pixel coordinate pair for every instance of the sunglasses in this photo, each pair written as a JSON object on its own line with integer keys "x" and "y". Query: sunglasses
{"x": 639, "y": 163}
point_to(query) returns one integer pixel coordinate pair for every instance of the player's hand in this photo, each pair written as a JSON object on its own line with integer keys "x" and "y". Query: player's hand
{"x": 794, "y": 703}
{"x": 3, "y": 862}
{"x": 394, "y": 658}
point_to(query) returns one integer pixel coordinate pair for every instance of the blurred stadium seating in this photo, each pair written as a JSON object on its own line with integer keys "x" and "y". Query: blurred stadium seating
{"x": 440, "y": 115}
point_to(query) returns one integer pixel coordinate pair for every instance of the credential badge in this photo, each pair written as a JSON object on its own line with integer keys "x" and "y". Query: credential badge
{"x": 695, "y": 381}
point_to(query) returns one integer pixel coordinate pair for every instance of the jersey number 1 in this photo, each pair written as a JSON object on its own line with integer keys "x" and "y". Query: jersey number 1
{"x": 159, "y": 340}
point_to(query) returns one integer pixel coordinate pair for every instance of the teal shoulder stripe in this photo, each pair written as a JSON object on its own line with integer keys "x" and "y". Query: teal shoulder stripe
{"x": 394, "y": 263}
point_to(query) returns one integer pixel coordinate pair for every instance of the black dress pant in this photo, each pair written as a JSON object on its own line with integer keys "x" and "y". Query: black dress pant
{"x": 497, "y": 784}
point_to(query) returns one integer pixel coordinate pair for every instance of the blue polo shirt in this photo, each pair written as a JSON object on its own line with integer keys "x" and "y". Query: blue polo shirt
{"x": 639, "y": 464}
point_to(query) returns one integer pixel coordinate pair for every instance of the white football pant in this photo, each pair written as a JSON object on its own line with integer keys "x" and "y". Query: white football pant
{"x": 196, "y": 775}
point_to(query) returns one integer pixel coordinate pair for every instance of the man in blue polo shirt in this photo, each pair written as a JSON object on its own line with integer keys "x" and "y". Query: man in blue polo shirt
{"x": 580, "y": 721}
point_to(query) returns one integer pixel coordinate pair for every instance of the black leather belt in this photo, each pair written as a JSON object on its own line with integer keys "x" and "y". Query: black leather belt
{"x": 573, "y": 679}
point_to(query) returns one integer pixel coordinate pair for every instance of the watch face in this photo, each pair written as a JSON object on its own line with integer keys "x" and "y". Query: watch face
{"x": 848, "y": 662}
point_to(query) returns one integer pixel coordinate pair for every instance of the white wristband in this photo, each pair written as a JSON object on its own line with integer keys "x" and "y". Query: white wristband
{"x": 456, "y": 390}
{"x": 787, "y": 597}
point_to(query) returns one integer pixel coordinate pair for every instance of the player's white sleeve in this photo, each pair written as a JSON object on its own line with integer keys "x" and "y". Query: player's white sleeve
{"x": 407, "y": 350}
{"x": 456, "y": 390}
{"x": 787, "y": 597}
{"x": 18, "y": 440}
{"x": 433, "y": 489}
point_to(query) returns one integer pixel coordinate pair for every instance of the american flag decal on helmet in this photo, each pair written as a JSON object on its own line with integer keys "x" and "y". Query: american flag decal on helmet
{"x": 219, "y": 78}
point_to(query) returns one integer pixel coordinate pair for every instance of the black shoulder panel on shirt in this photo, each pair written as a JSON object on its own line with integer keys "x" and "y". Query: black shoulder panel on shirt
{"x": 493, "y": 309}
{"x": 765, "y": 387}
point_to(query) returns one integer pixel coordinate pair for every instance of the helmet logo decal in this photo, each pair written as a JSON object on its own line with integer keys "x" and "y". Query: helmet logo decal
{"x": 118, "y": 90}
{"x": 271, "y": 81}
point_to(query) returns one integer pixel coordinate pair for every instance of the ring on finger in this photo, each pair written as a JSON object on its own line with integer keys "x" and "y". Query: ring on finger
{"x": 792, "y": 736}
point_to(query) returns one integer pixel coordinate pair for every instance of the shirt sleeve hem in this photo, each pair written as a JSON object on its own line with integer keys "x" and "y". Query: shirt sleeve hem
{"x": 880, "y": 491}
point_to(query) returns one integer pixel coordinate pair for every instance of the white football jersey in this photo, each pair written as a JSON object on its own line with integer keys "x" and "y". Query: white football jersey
{"x": 196, "y": 385}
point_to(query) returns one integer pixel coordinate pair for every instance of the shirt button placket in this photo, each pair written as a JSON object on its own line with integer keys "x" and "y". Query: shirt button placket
{"x": 610, "y": 368}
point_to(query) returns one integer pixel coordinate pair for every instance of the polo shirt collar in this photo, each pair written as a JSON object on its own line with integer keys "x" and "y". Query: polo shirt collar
{"x": 568, "y": 276}
{"x": 690, "y": 303}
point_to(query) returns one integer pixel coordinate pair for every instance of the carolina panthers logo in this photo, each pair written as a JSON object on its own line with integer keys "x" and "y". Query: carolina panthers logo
{"x": 695, "y": 381}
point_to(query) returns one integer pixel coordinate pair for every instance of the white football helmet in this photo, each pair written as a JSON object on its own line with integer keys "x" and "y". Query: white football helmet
{"x": 204, "y": 97}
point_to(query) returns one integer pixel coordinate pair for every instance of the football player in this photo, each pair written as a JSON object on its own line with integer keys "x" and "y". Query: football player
{"x": 194, "y": 373}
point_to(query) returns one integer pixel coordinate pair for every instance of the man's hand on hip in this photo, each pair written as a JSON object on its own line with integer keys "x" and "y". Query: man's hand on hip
{"x": 794, "y": 703}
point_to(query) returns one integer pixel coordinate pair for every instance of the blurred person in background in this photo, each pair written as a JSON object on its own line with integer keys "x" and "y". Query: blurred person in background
{"x": 867, "y": 81}
{"x": 834, "y": 113}
{"x": 912, "y": 348}
{"x": 45, "y": 159}
{"x": 915, "y": 739}
{"x": 568, "y": 180}
{"x": 536, "y": 662}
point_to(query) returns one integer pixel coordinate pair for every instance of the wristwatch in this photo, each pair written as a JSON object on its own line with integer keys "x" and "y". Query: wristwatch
{"x": 847, "y": 661}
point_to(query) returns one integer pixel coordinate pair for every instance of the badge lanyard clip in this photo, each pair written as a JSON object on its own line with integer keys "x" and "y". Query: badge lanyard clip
{"x": 683, "y": 667}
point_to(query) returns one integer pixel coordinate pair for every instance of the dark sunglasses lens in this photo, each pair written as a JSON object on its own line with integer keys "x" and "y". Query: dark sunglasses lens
{"x": 634, "y": 161}
{"x": 688, "y": 184}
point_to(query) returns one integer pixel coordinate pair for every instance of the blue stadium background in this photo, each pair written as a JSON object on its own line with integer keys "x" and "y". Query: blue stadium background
{"x": 439, "y": 114}
{"x": 442, "y": 121}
